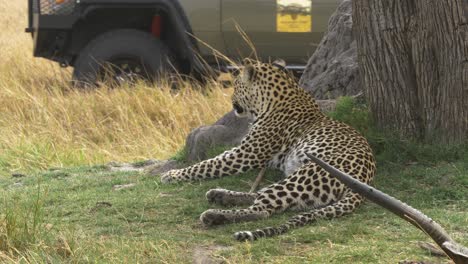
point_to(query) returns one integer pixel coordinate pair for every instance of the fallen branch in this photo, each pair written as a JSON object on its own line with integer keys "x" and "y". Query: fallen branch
{"x": 456, "y": 252}
{"x": 433, "y": 249}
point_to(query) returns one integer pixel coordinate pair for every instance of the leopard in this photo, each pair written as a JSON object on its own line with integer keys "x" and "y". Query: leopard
{"x": 287, "y": 126}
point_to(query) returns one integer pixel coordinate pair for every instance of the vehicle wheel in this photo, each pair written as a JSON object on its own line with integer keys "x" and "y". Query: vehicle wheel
{"x": 121, "y": 56}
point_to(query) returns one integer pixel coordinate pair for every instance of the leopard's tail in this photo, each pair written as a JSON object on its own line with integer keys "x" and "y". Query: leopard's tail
{"x": 346, "y": 205}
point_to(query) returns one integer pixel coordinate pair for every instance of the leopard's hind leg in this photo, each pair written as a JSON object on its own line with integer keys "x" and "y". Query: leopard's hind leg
{"x": 309, "y": 187}
{"x": 272, "y": 199}
{"x": 344, "y": 206}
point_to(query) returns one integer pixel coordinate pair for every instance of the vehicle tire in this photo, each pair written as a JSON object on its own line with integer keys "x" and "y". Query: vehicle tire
{"x": 121, "y": 55}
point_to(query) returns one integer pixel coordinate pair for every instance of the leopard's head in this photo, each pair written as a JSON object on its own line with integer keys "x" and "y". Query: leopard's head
{"x": 258, "y": 85}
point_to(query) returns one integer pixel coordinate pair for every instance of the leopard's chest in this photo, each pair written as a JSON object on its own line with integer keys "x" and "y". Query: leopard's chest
{"x": 288, "y": 160}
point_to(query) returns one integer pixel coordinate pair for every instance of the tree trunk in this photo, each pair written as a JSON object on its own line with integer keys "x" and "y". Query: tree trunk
{"x": 413, "y": 57}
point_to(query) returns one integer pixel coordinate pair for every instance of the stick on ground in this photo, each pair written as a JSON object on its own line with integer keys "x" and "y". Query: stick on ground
{"x": 258, "y": 180}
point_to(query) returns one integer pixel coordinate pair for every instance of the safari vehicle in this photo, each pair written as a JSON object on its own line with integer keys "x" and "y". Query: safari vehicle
{"x": 147, "y": 37}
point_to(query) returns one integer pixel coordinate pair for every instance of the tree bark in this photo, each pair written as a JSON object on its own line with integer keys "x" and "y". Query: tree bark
{"x": 413, "y": 57}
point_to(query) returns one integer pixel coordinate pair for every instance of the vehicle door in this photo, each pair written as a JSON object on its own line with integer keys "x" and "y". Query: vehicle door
{"x": 205, "y": 20}
{"x": 287, "y": 29}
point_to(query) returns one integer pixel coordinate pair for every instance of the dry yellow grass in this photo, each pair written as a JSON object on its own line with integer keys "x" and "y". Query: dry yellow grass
{"x": 44, "y": 123}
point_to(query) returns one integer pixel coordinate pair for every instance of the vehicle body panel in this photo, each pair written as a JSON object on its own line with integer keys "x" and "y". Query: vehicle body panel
{"x": 199, "y": 26}
{"x": 205, "y": 19}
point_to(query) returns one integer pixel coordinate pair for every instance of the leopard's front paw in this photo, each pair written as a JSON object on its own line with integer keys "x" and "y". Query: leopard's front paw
{"x": 170, "y": 176}
{"x": 213, "y": 217}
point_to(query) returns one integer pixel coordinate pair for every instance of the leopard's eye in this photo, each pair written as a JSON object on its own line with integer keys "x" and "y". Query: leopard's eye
{"x": 235, "y": 72}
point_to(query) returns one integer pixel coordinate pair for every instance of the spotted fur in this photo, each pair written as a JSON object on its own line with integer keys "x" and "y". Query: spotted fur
{"x": 287, "y": 124}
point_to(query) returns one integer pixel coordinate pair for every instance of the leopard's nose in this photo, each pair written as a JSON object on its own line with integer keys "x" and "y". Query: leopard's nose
{"x": 237, "y": 108}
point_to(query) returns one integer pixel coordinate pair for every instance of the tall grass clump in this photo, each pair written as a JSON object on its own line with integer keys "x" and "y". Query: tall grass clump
{"x": 44, "y": 122}
{"x": 21, "y": 222}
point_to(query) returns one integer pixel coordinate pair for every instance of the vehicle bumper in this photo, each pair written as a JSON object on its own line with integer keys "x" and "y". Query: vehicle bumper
{"x": 49, "y": 24}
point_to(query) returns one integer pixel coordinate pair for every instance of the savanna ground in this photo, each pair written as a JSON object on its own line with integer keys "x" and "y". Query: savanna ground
{"x": 57, "y": 205}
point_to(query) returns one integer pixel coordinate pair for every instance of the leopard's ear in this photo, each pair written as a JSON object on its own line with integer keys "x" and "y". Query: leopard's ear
{"x": 249, "y": 72}
{"x": 248, "y": 61}
{"x": 280, "y": 64}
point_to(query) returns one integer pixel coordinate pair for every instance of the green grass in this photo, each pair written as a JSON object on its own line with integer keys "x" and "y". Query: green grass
{"x": 73, "y": 215}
